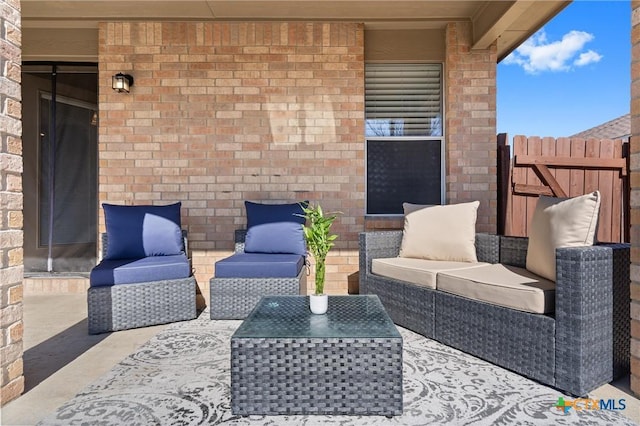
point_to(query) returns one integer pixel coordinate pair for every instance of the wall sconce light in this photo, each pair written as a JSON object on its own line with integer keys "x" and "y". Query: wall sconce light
{"x": 121, "y": 82}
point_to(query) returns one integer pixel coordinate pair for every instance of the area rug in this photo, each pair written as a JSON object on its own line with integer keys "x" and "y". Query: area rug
{"x": 181, "y": 377}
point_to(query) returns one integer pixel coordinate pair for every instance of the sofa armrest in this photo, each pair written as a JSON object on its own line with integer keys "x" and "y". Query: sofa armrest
{"x": 105, "y": 242}
{"x": 380, "y": 244}
{"x": 488, "y": 248}
{"x": 621, "y": 308}
{"x": 185, "y": 242}
{"x": 513, "y": 251}
{"x": 586, "y": 281}
{"x": 239, "y": 238}
{"x": 376, "y": 245}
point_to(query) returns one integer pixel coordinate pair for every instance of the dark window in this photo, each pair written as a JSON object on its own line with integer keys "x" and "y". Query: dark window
{"x": 402, "y": 171}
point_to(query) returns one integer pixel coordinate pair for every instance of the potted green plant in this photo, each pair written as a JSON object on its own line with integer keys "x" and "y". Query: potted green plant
{"x": 319, "y": 241}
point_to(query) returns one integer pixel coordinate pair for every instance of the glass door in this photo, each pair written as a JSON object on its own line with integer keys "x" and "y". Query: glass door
{"x": 60, "y": 173}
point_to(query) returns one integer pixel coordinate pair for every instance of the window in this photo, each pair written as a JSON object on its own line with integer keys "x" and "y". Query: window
{"x": 404, "y": 136}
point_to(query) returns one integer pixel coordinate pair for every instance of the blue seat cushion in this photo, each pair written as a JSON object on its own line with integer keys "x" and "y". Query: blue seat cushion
{"x": 129, "y": 271}
{"x": 259, "y": 265}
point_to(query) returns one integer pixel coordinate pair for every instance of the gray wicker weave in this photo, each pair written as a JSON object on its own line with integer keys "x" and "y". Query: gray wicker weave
{"x": 410, "y": 306}
{"x": 125, "y": 306}
{"x": 285, "y": 360}
{"x": 582, "y": 346}
{"x": 513, "y": 251}
{"x": 520, "y": 341}
{"x": 234, "y": 298}
{"x": 621, "y": 309}
{"x": 585, "y": 316}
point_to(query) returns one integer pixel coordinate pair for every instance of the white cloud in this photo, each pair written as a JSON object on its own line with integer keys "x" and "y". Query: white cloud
{"x": 537, "y": 54}
{"x": 587, "y": 58}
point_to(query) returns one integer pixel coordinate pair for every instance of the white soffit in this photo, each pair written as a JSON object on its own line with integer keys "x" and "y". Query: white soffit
{"x": 509, "y": 22}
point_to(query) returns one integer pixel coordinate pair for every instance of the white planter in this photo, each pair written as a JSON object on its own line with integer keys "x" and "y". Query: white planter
{"x": 319, "y": 303}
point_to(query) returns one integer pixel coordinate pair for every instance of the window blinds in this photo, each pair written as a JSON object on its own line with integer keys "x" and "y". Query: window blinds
{"x": 403, "y": 100}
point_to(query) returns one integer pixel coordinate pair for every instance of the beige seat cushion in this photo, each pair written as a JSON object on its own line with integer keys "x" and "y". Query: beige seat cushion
{"x": 441, "y": 233}
{"x": 417, "y": 271}
{"x": 560, "y": 222}
{"x": 501, "y": 285}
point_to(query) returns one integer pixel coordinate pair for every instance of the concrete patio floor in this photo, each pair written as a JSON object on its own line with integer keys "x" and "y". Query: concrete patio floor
{"x": 60, "y": 358}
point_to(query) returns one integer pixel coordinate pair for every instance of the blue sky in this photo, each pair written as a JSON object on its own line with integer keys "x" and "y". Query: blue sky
{"x": 572, "y": 75}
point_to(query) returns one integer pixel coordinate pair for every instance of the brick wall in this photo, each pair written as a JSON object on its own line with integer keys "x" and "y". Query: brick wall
{"x": 11, "y": 269}
{"x": 225, "y": 112}
{"x": 470, "y": 113}
{"x": 635, "y": 197}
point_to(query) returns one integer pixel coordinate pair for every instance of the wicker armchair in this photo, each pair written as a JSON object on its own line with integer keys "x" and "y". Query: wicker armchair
{"x": 140, "y": 304}
{"x": 234, "y": 298}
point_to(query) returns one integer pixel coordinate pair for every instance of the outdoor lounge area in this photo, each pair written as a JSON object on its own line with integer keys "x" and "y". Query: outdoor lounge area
{"x": 449, "y": 327}
{"x": 160, "y": 263}
{"x": 407, "y": 350}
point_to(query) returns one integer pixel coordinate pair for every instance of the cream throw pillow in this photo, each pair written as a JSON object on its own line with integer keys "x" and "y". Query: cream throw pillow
{"x": 410, "y": 207}
{"x": 441, "y": 233}
{"x": 560, "y": 222}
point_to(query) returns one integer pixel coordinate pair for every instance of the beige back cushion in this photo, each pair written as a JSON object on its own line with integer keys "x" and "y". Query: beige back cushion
{"x": 560, "y": 222}
{"x": 441, "y": 233}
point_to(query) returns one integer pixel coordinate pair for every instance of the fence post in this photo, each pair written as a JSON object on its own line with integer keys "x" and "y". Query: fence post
{"x": 626, "y": 194}
{"x": 503, "y": 170}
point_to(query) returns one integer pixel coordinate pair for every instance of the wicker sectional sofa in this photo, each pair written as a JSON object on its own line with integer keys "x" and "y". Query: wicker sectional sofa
{"x": 583, "y": 344}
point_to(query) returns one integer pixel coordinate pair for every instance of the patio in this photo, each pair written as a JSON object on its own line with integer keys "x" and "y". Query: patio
{"x": 61, "y": 359}
{"x": 186, "y": 103}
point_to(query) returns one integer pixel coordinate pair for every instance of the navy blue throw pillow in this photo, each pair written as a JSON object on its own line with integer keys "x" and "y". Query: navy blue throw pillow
{"x": 276, "y": 237}
{"x": 258, "y": 214}
{"x": 134, "y": 232}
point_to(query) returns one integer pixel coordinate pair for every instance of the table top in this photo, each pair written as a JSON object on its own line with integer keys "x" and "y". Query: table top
{"x": 290, "y": 317}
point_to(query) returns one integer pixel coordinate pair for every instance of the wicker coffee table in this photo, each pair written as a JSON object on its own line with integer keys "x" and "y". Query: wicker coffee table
{"x": 286, "y": 360}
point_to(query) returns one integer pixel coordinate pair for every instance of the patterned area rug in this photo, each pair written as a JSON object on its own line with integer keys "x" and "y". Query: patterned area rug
{"x": 181, "y": 377}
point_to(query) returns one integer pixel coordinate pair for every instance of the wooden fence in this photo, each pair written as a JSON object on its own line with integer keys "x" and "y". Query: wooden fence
{"x": 563, "y": 167}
